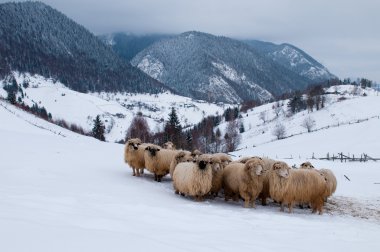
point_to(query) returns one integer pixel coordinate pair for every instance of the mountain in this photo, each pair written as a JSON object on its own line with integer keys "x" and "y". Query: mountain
{"x": 38, "y": 39}
{"x": 129, "y": 45}
{"x": 220, "y": 69}
{"x": 294, "y": 59}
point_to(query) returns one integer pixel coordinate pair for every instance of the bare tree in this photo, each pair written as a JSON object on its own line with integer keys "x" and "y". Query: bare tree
{"x": 279, "y": 131}
{"x": 277, "y": 109}
{"x": 232, "y": 137}
{"x": 263, "y": 116}
{"x": 139, "y": 128}
{"x": 308, "y": 123}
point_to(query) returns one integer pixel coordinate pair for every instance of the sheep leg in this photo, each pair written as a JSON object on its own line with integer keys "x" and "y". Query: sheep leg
{"x": 134, "y": 172}
{"x": 159, "y": 177}
{"x": 282, "y": 207}
{"x": 264, "y": 201}
{"x": 142, "y": 171}
{"x": 137, "y": 172}
{"x": 176, "y": 192}
{"x": 155, "y": 177}
{"x": 290, "y": 206}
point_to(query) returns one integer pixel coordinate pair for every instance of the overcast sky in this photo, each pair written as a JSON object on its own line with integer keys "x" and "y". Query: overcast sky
{"x": 344, "y": 35}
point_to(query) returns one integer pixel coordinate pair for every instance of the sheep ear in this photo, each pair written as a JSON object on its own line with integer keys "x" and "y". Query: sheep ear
{"x": 147, "y": 148}
{"x": 302, "y": 164}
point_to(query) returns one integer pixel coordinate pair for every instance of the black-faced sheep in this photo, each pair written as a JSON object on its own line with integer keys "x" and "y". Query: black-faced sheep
{"x": 182, "y": 156}
{"x": 244, "y": 180}
{"x": 193, "y": 178}
{"x": 157, "y": 160}
{"x": 306, "y": 165}
{"x": 290, "y": 186}
{"x": 134, "y": 155}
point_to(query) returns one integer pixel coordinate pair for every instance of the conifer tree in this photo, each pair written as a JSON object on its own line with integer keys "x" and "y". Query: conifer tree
{"x": 98, "y": 129}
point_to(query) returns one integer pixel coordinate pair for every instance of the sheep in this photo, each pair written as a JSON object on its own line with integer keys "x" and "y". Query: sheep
{"x": 182, "y": 156}
{"x": 327, "y": 174}
{"x": 289, "y": 186}
{"x": 243, "y": 179}
{"x": 268, "y": 163}
{"x": 306, "y": 165}
{"x": 169, "y": 145}
{"x": 134, "y": 155}
{"x": 193, "y": 178}
{"x": 217, "y": 175}
{"x": 196, "y": 153}
{"x": 157, "y": 160}
{"x": 224, "y": 158}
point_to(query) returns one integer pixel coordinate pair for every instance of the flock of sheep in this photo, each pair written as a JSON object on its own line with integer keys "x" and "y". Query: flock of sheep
{"x": 200, "y": 175}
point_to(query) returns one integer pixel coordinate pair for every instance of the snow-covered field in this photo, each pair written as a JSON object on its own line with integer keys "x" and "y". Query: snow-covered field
{"x": 116, "y": 109}
{"x": 63, "y": 192}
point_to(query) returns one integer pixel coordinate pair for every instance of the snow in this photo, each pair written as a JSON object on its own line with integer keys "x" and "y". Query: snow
{"x": 74, "y": 193}
{"x": 151, "y": 66}
{"x": 336, "y": 113}
{"x": 116, "y": 109}
{"x": 231, "y": 74}
{"x": 218, "y": 83}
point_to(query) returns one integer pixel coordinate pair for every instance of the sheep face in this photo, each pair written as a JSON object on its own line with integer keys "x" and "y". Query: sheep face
{"x": 152, "y": 150}
{"x": 169, "y": 145}
{"x": 204, "y": 163}
{"x": 196, "y": 153}
{"x": 255, "y": 166}
{"x": 134, "y": 143}
{"x": 306, "y": 165}
{"x": 282, "y": 169}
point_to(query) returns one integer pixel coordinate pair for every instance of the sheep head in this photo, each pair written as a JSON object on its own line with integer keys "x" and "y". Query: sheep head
{"x": 134, "y": 143}
{"x": 196, "y": 153}
{"x": 282, "y": 169}
{"x": 216, "y": 164}
{"x": 180, "y": 157}
{"x": 204, "y": 162}
{"x": 152, "y": 150}
{"x": 306, "y": 165}
{"x": 169, "y": 145}
{"x": 254, "y": 166}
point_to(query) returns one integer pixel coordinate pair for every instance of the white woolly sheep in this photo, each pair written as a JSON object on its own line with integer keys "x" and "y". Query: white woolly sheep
{"x": 157, "y": 160}
{"x": 224, "y": 158}
{"x": 244, "y": 180}
{"x": 134, "y": 155}
{"x": 182, "y": 156}
{"x": 193, "y": 178}
{"x": 290, "y": 186}
{"x": 169, "y": 145}
{"x": 217, "y": 175}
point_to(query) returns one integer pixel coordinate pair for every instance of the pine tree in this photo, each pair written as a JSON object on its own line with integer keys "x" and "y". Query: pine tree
{"x": 173, "y": 129}
{"x": 98, "y": 129}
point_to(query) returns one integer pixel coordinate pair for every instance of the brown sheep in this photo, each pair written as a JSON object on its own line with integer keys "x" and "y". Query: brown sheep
{"x": 290, "y": 186}
{"x": 157, "y": 160}
{"x": 193, "y": 178}
{"x": 327, "y": 174}
{"x": 244, "y": 180}
{"x": 264, "y": 195}
{"x": 182, "y": 156}
{"x": 134, "y": 155}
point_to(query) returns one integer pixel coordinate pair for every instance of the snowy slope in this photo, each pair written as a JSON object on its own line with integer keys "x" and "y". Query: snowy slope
{"x": 116, "y": 109}
{"x": 336, "y": 113}
{"x": 74, "y": 193}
